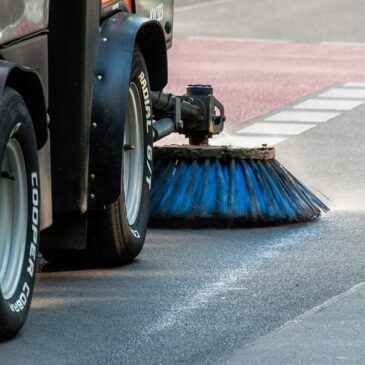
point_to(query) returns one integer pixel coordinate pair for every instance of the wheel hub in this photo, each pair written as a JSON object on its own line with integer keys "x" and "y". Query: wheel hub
{"x": 13, "y": 217}
{"x": 133, "y": 155}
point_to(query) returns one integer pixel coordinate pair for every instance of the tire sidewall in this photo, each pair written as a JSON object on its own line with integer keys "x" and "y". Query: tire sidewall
{"x": 134, "y": 235}
{"x": 15, "y": 122}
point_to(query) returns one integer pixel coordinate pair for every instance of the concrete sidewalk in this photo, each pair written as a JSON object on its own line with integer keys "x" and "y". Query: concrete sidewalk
{"x": 332, "y": 333}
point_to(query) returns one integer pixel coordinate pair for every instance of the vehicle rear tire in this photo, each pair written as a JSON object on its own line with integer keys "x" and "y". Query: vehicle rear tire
{"x": 116, "y": 234}
{"x": 19, "y": 212}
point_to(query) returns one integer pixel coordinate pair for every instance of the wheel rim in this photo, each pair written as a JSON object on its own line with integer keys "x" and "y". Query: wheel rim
{"x": 133, "y": 155}
{"x": 13, "y": 218}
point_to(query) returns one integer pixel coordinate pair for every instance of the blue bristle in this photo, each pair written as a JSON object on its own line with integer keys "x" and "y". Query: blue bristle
{"x": 188, "y": 196}
{"x": 214, "y": 192}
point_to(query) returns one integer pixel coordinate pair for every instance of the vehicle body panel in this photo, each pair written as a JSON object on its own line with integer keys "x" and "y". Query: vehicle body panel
{"x": 160, "y": 10}
{"x": 121, "y": 32}
{"x": 19, "y": 18}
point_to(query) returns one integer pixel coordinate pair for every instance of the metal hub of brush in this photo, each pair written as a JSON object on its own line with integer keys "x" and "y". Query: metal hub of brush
{"x": 204, "y": 186}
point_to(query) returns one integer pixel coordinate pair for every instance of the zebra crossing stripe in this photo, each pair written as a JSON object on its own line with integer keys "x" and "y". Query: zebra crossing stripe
{"x": 329, "y": 104}
{"x": 302, "y": 116}
{"x": 344, "y": 93}
{"x": 277, "y": 128}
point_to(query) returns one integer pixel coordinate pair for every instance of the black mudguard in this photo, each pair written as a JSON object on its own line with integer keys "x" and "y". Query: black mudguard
{"x": 119, "y": 35}
{"x": 28, "y": 84}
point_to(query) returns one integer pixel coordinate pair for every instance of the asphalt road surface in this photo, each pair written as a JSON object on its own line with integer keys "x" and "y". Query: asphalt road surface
{"x": 203, "y": 296}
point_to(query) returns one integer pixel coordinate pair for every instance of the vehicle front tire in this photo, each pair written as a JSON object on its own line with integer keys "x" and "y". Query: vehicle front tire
{"x": 116, "y": 234}
{"x": 19, "y": 212}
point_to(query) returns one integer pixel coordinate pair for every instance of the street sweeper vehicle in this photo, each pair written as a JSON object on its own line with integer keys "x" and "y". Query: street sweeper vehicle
{"x": 76, "y": 134}
{"x": 81, "y": 103}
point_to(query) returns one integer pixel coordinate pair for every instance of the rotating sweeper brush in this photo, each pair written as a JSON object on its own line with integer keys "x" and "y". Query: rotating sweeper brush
{"x": 198, "y": 185}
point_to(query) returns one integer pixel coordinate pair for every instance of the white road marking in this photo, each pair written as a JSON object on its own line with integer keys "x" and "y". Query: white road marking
{"x": 199, "y": 4}
{"x": 329, "y": 104}
{"x": 276, "y": 128}
{"x": 354, "y": 84}
{"x": 302, "y": 116}
{"x": 180, "y": 311}
{"x": 334, "y": 43}
{"x": 246, "y": 141}
{"x": 345, "y": 93}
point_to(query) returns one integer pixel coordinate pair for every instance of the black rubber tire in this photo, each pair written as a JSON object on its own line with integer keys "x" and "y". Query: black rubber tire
{"x": 111, "y": 240}
{"x": 16, "y": 123}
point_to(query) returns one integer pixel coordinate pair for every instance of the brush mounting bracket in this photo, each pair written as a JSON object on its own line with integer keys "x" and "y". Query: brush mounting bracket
{"x": 197, "y": 114}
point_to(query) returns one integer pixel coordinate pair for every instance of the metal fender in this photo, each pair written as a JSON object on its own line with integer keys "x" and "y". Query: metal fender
{"x": 28, "y": 84}
{"x": 119, "y": 35}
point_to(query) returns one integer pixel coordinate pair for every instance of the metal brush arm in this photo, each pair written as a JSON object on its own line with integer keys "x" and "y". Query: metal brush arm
{"x": 198, "y": 114}
{"x": 173, "y": 110}
{"x": 162, "y": 128}
{"x": 166, "y": 103}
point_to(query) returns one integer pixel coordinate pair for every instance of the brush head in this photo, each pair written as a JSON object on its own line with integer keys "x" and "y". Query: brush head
{"x": 227, "y": 187}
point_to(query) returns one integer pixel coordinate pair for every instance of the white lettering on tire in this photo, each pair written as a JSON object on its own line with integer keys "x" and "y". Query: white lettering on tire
{"x": 21, "y": 302}
{"x": 135, "y": 233}
{"x": 148, "y": 109}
